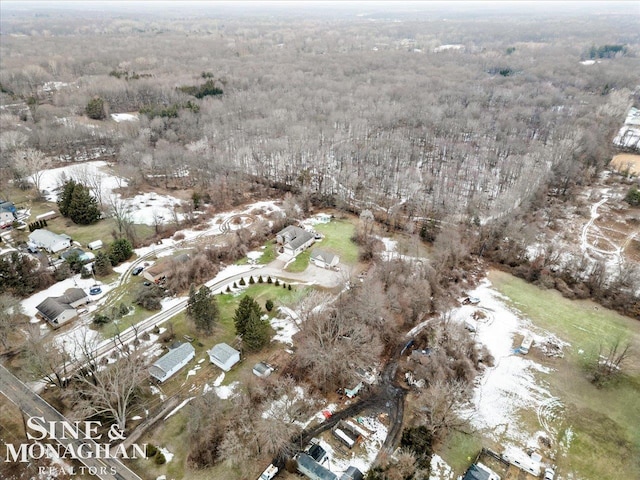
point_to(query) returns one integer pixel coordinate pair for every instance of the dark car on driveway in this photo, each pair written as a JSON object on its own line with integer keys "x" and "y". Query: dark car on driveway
{"x": 137, "y": 270}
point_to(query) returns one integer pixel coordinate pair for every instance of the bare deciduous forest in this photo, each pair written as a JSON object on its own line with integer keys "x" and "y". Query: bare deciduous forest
{"x": 474, "y": 129}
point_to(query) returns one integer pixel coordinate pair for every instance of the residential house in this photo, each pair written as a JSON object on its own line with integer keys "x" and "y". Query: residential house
{"x": 479, "y": 471}
{"x": 172, "y": 361}
{"x": 324, "y": 259}
{"x": 312, "y": 469}
{"x": 224, "y": 356}
{"x": 51, "y": 242}
{"x": 162, "y": 268}
{"x": 59, "y": 310}
{"x": 294, "y": 240}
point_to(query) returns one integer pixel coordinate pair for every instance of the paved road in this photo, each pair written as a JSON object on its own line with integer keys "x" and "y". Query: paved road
{"x": 34, "y": 406}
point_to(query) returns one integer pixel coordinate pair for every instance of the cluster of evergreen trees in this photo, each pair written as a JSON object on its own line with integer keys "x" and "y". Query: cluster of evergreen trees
{"x": 77, "y": 203}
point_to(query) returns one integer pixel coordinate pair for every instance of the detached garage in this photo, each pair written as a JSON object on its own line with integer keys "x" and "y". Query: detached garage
{"x": 224, "y": 356}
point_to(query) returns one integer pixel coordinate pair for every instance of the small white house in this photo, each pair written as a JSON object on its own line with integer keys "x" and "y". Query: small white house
{"x": 224, "y": 356}
{"x": 324, "y": 259}
{"x": 171, "y": 362}
{"x": 51, "y": 242}
{"x": 95, "y": 245}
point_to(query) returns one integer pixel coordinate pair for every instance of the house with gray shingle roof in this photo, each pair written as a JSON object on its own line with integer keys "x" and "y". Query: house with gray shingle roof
{"x": 224, "y": 356}
{"x": 51, "y": 242}
{"x": 294, "y": 239}
{"x": 172, "y": 361}
{"x": 59, "y": 310}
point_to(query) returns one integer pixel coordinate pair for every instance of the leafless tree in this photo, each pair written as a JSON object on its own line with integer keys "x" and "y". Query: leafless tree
{"x": 609, "y": 361}
{"x": 109, "y": 389}
{"x": 29, "y": 164}
{"x": 10, "y": 314}
{"x": 46, "y": 361}
{"x": 121, "y": 212}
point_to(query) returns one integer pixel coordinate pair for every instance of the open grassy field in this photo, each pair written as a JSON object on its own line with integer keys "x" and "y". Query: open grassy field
{"x": 600, "y": 425}
{"x": 337, "y": 240}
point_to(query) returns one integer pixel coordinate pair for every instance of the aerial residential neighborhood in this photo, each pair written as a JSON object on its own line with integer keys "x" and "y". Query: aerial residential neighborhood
{"x": 319, "y": 240}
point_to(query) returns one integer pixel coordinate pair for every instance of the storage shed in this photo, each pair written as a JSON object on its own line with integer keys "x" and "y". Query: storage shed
{"x": 171, "y": 362}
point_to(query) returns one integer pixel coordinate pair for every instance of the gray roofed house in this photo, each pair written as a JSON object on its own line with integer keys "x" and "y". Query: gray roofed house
{"x": 172, "y": 361}
{"x": 59, "y": 310}
{"x": 224, "y": 356}
{"x": 52, "y": 242}
{"x": 313, "y": 470}
{"x": 294, "y": 239}
{"x": 324, "y": 259}
{"x": 480, "y": 472}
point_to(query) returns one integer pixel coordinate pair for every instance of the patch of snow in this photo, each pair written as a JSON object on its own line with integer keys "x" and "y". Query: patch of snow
{"x": 167, "y": 454}
{"x": 510, "y": 386}
{"x": 175, "y": 410}
{"x": 161, "y": 477}
{"x": 124, "y": 117}
{"x": 226, "y": 391}
{"x": 137, "y": 417}
{"x": 587, "y": 62}
{"x": 254, "y": 255}
{"x": 156, "y": 391}
{"x": 202, "y": 360}
{"x": 218, "y": 381}
{"x": 440, "y": 470}
{"x": 285, "y": 329}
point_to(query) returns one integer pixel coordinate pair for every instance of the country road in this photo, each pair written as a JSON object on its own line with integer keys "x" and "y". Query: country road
{"x": 34, "y": 406}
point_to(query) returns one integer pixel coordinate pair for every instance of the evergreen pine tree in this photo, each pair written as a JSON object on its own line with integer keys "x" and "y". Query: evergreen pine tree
{"x": 65, "y": 197}
{"x": 246, "y": 308}
{"x": 202, "y": 308}
{"x": 251, "y": 281}
{"x": 83, "y": 207}
{"x": 256, "y": 333}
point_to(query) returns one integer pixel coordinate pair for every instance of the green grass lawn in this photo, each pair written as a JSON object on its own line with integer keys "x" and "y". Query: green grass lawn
{"x": 603, "y": 421}
{"x": 337, "y": 240}
{"x": 301, "y": 262}
{"x": 269, "y": 253}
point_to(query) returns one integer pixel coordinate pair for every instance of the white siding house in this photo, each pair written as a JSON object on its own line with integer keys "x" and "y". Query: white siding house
{"x": 224, "y": 356}
{"x": 51, "y": 242}
{"x": 294, "y": 240}
{"x": 171, "y": 362}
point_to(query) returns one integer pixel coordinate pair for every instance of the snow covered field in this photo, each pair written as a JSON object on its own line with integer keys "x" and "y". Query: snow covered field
{"x": 145, "y": 208}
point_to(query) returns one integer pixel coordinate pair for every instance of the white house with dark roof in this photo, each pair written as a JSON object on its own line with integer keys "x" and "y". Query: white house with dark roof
{"x": 51, "y": 242}
{"x": 224, "y": 356}
{"x": 59, "y": 310}
{"x": 323, "y": 259}
{"x": 294, "y": 240}
{"x": 172, "y": 361}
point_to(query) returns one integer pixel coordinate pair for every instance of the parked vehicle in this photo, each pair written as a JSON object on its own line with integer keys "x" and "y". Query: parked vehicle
{"x": 137, "y": 270}
{"x": 549, "y": 473}
{"x": 269, "y": 473}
